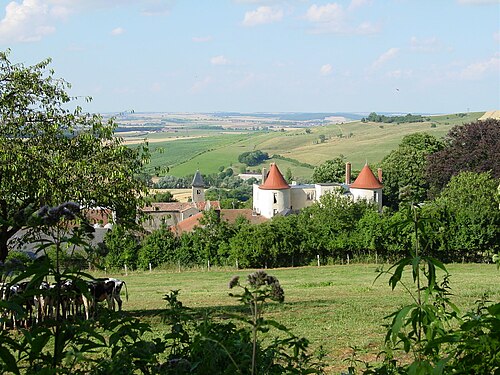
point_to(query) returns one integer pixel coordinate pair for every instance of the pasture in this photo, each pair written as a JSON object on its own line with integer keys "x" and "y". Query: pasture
{"x": 335, "y": 307}
{"x": 208, "y": 149}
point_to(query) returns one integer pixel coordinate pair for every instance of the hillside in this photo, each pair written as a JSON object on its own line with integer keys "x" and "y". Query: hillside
{"x": 207, "y": 149}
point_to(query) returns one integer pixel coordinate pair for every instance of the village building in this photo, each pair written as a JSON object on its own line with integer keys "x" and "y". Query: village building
{"x": 173, "y": 213}
{"x": 276, "y": 197}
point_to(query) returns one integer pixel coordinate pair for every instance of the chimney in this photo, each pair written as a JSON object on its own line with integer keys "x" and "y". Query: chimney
{"x": 264, "y": 173}
{"x": 379, "y": 172}
{"x": 347, "y": 173}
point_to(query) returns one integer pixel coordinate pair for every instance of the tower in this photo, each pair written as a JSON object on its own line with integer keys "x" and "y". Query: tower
{"x": 198, "y": 188}
{"x": 367, "y": 187}
{"x": 273, "y": 196}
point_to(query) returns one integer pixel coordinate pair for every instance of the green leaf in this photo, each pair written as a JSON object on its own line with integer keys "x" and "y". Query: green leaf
{"x": 9, "y": 360}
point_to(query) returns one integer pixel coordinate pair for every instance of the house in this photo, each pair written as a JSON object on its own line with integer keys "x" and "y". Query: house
{"x": 172, "y": 213}
{"x": 276, "y": 197}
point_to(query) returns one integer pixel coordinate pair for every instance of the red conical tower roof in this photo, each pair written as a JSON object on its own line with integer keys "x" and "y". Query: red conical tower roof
{"x": 274, "y": 180}
{"x": 366, "y": 180}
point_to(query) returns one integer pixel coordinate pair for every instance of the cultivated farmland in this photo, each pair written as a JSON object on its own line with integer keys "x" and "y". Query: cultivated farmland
{"x": 208, "y": 147}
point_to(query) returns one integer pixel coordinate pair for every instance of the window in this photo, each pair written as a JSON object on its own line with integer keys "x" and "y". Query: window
{"x": 275, "y": 196}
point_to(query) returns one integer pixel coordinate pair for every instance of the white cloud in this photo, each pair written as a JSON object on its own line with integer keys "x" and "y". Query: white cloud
{"x": 28, "y": 21}
{"x": 478, "y": 69}
{"x": 200, "y": 85}
{"x": 358, "y": 4}
{"x": 117, "y": 31}
{"x": 262, "y": 15}
{"x": 202, "y": 39}
{"x": 496, "y": 36}
{"x": 326, "y": 69}
{"x": 334, "y": 18}
{"x": 328, "y": 13}
{"x": 219, "y": 60}
{"x": 386, "y": 56}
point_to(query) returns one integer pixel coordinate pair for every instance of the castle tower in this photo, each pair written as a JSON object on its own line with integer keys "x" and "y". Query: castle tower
{"x": 198, "y": 188}
{"x": 367, "y": 187}
{"x": 273, "y": 196}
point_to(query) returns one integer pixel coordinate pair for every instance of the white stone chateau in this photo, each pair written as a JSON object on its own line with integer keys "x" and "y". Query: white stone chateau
{"x": 276, "y": 197}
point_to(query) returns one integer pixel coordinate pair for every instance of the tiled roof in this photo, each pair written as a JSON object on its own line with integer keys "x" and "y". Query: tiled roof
{"x": 366, "y": 180}
{"x": 274, "y": 180}
{"x": 168, "y": 206}
{"x": 231, "y": 215}
{"x": 188, "y": 224}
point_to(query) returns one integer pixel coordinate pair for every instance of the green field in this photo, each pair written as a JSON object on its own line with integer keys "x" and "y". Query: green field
{"x": 337, "y": 307}
{"x": 359, "y": 142}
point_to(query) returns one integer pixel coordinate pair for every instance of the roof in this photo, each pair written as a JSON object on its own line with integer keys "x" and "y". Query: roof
{"x": 228, "y": 215}
{"x": 180, "y": 206}
{"x": 274, "y": 180}
{"x": 231, "y": 215}
{"x": 366, "y": 180}
{"x": 198, "y": 180}
{"x": 188, "y": 224}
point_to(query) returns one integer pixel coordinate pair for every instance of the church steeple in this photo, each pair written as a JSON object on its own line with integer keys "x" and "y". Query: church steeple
{"x": 198, "y": 188}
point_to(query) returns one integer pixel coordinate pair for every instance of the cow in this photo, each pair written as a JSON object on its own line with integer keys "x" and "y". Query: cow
{"x": 118, "y": 284}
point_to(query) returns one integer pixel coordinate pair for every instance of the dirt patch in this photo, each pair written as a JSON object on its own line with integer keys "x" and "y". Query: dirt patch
{"x": 491, "y": 114}
{"x": 134, "y": 141}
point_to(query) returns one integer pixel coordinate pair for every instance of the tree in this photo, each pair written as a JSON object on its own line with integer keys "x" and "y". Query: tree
{"x": 158, "y": 248}
{"x": 330, "y": 171}
{"x": 405, "y": 166}
{"x": 167, "y": 196}
{"x": 253, "y": 158}
{"x": 50, "y": 154}
{"x": 289, "y": 175}
{"x": 469, "y": 209}
{"x": 473, "y": 147}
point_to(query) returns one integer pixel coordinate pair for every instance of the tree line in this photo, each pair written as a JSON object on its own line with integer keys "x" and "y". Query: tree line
{"x": 462, "y": 224}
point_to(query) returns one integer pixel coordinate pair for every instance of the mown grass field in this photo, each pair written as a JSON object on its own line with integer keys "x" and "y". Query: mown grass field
{"x": 336, "y": 307}
{"x": 359, "y": 142}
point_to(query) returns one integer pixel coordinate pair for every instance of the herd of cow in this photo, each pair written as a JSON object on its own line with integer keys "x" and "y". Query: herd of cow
{"x": 47, "y": 301}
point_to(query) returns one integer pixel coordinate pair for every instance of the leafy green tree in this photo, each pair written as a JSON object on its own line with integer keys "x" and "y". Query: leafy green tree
{"x": 330, "y": 171}
{"x": 50, "y": 154}
{"x": 288, "y": 175}
{"x": 473, "y": 147}
{"x": 469, "y": 211}
{"x": 163, "y": 197}
{"x": 158, "y": 248}
{"x": 121, "y": 248}
{"x": 252, "y": 158}
{"x": 405, "y": 167}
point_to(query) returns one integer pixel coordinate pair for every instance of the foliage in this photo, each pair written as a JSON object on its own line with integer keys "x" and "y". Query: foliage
{"x": 473, "y": 147}
{"x": 425, "y": 327}
{"x": 405, "y": 167}
{"x": 469, "y": 219}
{"x": 50, "y": 154}
{"x": 253, "y": 158}
{"x": 158, "y": 248}
{"x": 373, "y": 117}
{"x": 172, "y": 182}
{"x": 163, "y": 197}
{"x": 121, "y": 247}
{"x": 330, "y": 171}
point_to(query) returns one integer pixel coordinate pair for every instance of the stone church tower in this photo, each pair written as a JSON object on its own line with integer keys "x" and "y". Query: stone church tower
{"x": 198, "y": 188}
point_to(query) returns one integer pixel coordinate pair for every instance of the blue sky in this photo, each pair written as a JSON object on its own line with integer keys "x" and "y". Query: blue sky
{"x": 256, "y": 56}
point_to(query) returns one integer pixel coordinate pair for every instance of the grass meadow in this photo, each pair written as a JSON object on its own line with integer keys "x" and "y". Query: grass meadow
{"x": 360, "y": 142}
{"x": 336, "y": 307}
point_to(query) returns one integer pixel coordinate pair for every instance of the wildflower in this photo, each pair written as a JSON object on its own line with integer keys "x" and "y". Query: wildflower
{"x": 257, "y": 279}
{"x": 234, "y": 282}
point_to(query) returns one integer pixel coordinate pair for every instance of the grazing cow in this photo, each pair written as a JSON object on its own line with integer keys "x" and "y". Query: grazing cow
{"x": 118, "y": 284}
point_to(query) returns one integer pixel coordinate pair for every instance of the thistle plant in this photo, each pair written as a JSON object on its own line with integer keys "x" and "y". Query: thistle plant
{"x": 260, "y": 288}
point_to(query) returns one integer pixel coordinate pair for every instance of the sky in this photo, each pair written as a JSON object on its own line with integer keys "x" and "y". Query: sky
{"x": 408, "y": 56}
